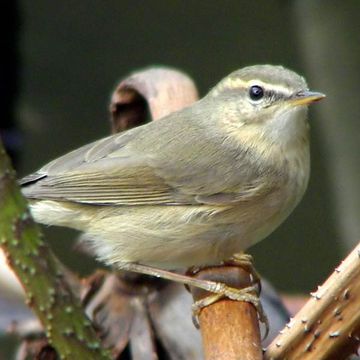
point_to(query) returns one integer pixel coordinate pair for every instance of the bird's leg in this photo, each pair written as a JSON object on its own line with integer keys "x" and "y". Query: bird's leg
{"x": 248, "y": 294}
{"x": 219, "y": 289}
{"x": 207, "y": 285}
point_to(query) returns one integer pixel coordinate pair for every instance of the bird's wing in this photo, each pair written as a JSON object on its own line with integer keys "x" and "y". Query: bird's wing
{"x": 134, "y": 168}
{"x": 94, "y": 175}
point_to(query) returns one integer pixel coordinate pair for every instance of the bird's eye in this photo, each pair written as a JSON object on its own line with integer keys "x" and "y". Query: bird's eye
{"x": 256, "y": 92}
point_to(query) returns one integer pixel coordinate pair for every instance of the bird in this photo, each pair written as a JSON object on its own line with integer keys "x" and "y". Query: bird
{"x": 192, "y": 188}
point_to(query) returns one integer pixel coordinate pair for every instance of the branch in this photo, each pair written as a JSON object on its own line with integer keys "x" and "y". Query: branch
{"x": 328, "y": 326}
{"x": 66, "y": 327}
{"x": 148, "y": 95}
{"x": 230, "y": 329}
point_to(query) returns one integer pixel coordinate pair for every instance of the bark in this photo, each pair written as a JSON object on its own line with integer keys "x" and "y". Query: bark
{"x": 229, "y": 329}
{"x": 328, "y": 326}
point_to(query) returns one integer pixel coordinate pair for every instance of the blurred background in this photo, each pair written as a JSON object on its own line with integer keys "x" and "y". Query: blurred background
{"x": 61, "y": 61}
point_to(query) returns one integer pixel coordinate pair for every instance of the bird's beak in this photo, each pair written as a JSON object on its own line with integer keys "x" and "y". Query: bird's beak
{"x": 305, "y": 97}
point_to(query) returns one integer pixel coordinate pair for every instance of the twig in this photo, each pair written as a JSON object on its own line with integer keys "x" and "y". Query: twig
{"x": 328, "y": 326}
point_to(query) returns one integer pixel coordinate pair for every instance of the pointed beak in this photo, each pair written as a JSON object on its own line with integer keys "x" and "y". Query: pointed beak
{"x": 306, "y": 97}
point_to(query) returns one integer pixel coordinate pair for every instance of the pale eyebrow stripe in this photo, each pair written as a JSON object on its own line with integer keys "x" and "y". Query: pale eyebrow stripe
{"x": 241, "y": 84}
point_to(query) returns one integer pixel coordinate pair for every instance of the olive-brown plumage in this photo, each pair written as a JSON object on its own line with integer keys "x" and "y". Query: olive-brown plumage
{"x": 194, "y": 187}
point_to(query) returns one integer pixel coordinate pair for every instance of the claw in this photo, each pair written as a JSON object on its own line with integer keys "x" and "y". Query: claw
{"x": 198, "y": 305}
{"x": 248, "y": 294}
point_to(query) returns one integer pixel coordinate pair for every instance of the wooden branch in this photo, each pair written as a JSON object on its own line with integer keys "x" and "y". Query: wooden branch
{"x": 328, "y": 326}
{"x": 47, "y": 292}
{"x": 148, "y": 95}
{"x": 230, "y": 329}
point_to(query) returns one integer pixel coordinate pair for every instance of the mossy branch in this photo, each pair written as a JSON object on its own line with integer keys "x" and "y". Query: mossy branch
{"x": 66, "y": 327}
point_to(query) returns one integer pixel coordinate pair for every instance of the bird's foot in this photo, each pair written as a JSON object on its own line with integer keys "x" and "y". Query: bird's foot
{"x": 249, "y": 294}
{"x": 246, "y": 262}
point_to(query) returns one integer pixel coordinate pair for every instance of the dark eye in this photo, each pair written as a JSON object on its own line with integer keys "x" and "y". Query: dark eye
{"x": 256, "y": 92}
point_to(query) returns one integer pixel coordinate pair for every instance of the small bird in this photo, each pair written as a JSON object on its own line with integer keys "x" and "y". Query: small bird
{"x": 192, "y": 188}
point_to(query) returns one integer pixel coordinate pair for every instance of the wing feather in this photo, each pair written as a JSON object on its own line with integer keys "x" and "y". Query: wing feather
{"x": 135, "y": 168}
